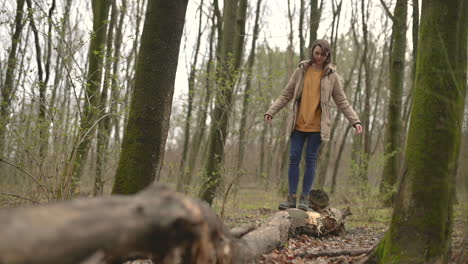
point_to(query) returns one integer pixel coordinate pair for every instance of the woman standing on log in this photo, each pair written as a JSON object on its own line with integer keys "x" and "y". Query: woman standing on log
{"x": 311, "y": 86}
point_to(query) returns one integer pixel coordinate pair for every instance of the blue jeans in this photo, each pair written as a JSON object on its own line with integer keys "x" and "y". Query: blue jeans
{"x": 298, "y": 139}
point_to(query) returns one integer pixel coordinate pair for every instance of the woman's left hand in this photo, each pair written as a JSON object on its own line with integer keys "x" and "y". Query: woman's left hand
{"x": 358, "y": 128}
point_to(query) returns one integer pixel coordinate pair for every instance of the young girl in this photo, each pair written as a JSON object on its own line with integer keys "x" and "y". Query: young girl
{"x": 311, "y": 86}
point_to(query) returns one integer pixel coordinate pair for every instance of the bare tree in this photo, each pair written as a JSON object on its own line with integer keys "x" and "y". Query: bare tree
{"x": 91, "y": 107}
{"x": 218, "y": 127}
{"x": 7, "y": 91}
{"x": 392, "y": 135}
{"x": 182, "y": 179}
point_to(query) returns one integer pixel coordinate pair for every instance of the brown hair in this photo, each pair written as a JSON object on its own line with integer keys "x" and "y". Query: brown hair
{"x": 326, "y": 48}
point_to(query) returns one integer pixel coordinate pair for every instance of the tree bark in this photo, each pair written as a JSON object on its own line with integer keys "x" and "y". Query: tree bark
{"x": 421, "y": 225}
{"x": 146, "y": 131}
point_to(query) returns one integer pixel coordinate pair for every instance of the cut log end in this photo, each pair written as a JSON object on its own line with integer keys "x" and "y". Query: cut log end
{"x": 318, "y": 200}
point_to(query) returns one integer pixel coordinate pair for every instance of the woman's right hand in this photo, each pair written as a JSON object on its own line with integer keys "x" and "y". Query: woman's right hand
{"x": 268, "y": 119}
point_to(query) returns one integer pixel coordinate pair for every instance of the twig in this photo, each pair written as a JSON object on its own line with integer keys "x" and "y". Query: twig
{"x": 389, "y": 14}
{"x": 334, "y": 253}
{"x": 227, "y": 192}
{"x": 42, "y": 175}
{"x": 27, "y": 173}
{"x": 19, "y": 196}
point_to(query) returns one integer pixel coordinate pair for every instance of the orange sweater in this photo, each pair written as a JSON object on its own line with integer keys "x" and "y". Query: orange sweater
{"x": 310, "y": 111}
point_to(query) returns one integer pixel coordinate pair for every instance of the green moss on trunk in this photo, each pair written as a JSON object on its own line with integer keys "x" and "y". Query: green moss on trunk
{"x": 146, "y": 131}
{"x": 422, "y": 219}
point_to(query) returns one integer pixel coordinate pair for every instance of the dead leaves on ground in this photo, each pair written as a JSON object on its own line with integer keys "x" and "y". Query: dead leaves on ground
{"x": 351, "y": 239}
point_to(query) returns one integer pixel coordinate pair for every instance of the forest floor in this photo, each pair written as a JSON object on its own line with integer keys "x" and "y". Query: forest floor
{"x": 360, "y": 234}
{"x": 364, "y": 229}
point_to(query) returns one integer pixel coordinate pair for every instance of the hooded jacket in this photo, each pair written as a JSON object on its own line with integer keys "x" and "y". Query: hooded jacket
{"x": 330, "y": 87}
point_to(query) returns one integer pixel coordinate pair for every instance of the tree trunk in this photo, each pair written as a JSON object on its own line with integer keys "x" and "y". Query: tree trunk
{"x": 203, "y": 113}
{"x": 368, "y": 84}
{"x": 337, "y": 161}
{"x": 361, "y": 145}
{"x": 182, "y": 179}
{"x": 421, "y": 226}
{"x": 115, "y": 85}
{"x": 408, "y": 104}
{"x": 335, "y": 24}
{"x": 104, "y": 128}
{"x": 414, "y": 52}
{"x": 379, "y": 88}
{"x": 397, "y": 73}
{"x": 146, "y": 132}
{"x": 356, "y": 150}
{"x": 218, "y": 127}
{"x": 7, "y": 95}
{"x": 315, "y": 14}
{"x": 246, "y": 99}
{"x": 302, "y": 53}
{"x": 91, "y": 106}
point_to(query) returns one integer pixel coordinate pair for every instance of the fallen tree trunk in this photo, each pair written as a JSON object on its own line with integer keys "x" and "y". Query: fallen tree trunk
{"x": 157, "y": 223}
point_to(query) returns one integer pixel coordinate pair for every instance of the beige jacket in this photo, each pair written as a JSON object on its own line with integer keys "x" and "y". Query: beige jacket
{"x": 330, "y": 86}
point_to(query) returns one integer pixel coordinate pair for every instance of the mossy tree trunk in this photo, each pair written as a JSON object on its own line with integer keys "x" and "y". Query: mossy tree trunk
{"x": 421, "y": 226}
{"x": 146, "y": 131}
{"x": 218, "y": 128}
{"x": 89, "y": 115}
{"x": 397, "y": 73}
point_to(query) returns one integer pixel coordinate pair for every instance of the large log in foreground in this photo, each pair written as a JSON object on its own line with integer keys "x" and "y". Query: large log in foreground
{"x": 157, "y": 223}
